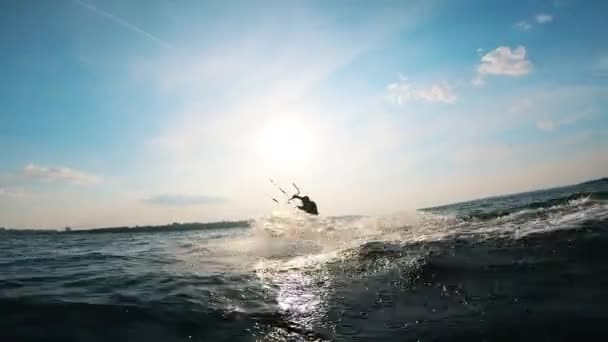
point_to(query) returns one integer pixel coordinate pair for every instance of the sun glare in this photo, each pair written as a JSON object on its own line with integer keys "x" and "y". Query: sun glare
{"x": 285, "y": 141}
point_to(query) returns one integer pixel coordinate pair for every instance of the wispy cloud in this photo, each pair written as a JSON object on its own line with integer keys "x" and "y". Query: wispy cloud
{"x": 122, "y": 22}
{"x": 524, "y": 25}
{"x": 184, "y": 200}
{"x": 59, "y": 175}
{"x": 11, "y": 193}
{"x": 402, "y": 92}
{"x": 543, "y": 18}
{"x": 504, "y": 62}
{"x": 553, "y": 124}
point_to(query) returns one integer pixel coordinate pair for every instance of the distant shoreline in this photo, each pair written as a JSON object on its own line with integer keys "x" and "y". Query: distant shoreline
{"x": 174, "y": 227}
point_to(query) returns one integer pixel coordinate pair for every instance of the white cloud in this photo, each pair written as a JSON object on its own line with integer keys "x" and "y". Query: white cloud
{"x": 438, "y": 93}
{"x": 59, "y": 175}
{"x": 503, "y": 61}
{"x": 524, "y": 25}
{"x": 402, "y": 92}
{"x": 543, "y": 18}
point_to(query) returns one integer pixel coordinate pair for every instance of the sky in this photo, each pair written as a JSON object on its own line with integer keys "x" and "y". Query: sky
{"x": 151, "y": 112}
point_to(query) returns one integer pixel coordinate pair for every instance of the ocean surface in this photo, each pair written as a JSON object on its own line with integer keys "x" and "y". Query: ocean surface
{"x": 530, "y": 266}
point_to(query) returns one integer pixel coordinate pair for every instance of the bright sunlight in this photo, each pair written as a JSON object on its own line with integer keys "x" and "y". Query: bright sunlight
{"x": 286, "y": 141}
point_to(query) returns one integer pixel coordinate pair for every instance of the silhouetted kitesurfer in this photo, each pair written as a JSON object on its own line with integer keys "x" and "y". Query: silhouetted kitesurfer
{"x": 307, "y": 205}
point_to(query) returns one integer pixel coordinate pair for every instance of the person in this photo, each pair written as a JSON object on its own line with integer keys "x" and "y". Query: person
{"x": 307, "y": 205}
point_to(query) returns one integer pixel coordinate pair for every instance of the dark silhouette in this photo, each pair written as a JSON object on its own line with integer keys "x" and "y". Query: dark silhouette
{"x": 307, "y": 205}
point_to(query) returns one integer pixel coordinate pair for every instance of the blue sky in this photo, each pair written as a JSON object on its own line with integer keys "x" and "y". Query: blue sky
{"x": 142, "y": 112}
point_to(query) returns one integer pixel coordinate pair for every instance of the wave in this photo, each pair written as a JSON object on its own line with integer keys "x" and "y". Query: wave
{"x": 537, "y": 205}
{"x": 289, "y": 240}
{"x": 142, "y": 322}
{"x": 455, "y": 260}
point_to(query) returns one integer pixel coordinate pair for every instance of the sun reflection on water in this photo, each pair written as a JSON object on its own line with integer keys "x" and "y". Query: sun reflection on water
{"x": 301, "y": 291}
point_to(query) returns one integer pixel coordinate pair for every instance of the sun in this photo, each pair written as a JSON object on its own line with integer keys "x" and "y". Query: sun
{"x": 286, "y": 141}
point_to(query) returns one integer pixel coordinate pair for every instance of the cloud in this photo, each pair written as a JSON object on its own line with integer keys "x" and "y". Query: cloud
{"x": 543, "y": 18}
{"x": 503, "y": 61}
{"x": 11, "y": 193}
{"x": 59, "y": 175}
{"x": 184, "y": 200}
{"x": 402, "y": 92}
{"x": 553, "y": 124}
{"x": 524, "y": 25}
{"x": 122, "y": 22}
